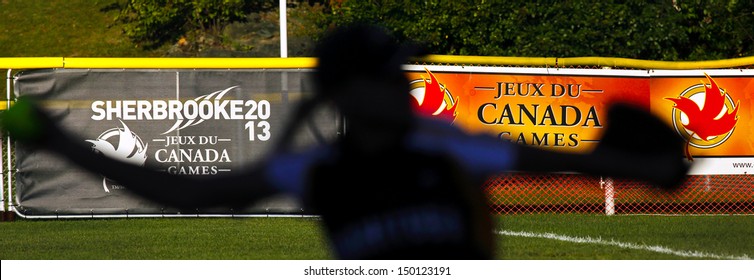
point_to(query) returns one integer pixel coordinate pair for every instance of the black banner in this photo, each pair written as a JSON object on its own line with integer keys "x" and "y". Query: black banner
{"x": 188, "y": 122}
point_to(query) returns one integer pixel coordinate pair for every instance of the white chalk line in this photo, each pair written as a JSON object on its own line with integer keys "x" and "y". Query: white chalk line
{"x": 627, "y": 245}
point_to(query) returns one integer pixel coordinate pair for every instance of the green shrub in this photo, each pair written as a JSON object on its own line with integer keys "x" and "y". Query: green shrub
{"x": 151, "y": 23}
{"x": 659, "y": 30}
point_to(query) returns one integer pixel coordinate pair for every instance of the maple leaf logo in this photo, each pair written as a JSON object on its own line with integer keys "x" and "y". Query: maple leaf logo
{"x": 432, "y": 99}
{"x": 709, "y": 117}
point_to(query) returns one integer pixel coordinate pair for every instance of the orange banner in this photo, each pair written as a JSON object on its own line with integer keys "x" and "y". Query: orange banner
{"x": 562, "y": 112}
{"x": 565, "y": 109}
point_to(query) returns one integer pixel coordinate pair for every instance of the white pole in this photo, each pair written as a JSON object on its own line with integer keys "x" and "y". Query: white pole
{"x": 8, "y": 150}
{"x": 283, "y": 29}
{"x": 284, "y": 48}
{"x": 609, "y": 196}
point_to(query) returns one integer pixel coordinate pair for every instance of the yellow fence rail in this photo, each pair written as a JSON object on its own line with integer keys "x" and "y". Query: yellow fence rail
{"x": 309, "y": 62}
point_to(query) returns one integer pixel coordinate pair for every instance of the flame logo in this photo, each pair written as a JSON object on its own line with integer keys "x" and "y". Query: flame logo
{"x": 705, "y": 115}
{"x": 130, "y": 148}
{"x": 433, "y": 99}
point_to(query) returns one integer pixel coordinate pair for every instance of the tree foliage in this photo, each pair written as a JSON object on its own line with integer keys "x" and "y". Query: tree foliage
{"x": 658, "y": 30}
{"x": 227, "y": 28}
{"x": 151, "y": 23}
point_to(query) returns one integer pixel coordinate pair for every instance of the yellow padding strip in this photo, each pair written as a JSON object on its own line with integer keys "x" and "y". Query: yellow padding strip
{"x": 612, "y": 62}
{"x": 490, "y": 60}
{"x": 652, "y": 64}
{"x": 310, "y": 62}
{"x": 30, "y": 62}
{"x": 190, "y": 63}
{"x": 4, "y": 105}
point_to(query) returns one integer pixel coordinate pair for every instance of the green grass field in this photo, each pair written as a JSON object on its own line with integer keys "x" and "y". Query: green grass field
{"x": 524, "y": 237}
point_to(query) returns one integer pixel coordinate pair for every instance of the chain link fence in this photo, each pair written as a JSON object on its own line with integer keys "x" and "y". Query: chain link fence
{"x": 574, "y": 193}
{"x": 542, "y": 193}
